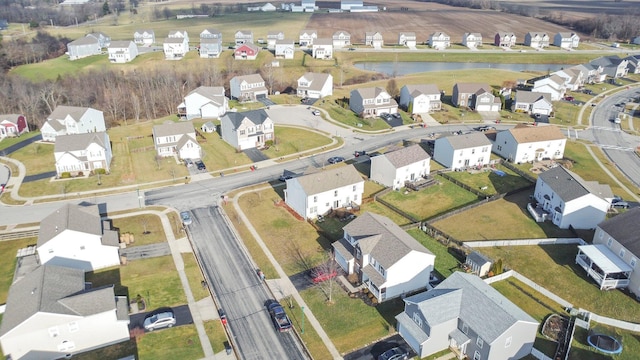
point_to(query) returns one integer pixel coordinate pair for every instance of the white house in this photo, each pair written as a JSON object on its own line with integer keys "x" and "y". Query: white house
{"x": 524, "y": 143}
{"x": 389, "y": 261}
{"x": 307, "y": 37}
{"x": 176, "y": 139}
{"x": 439, "y": 40}
{"x": 210, "y": 43}
{"x": 243, "y": 37}
{"x": 341, "y": 39}
{"x": 504, "y": 39}
{"x": 373, "y": 39}
{"x": 552, "y": 85}
{"x": 315, "y": 85}
{"x": 82, "y": 153}
{"x": 574, "y": 77}
{"x": 566, "y": 40}
{"x": 66, "y": 120}
{"x": 284, "y": 49}
{"x": 612, "y": 66}
{"x": 372, "y": 101}
{"x": 462, "y": 151}
{"x": 536, "y": 40}
{"x": 475, "y": 96}
{"x": 176, "y": 45}
{"x": 322, "y": 49}
{"x": 407, "y": 39}
{"x": 122, "y": 51}
{"x": 248, "y": 88}
{"x": 568, "y": 200}
{"x": 420, "y": 99}
{"x": 465, "y": 314}
{"x": 83, "y": 47}
{"x": 305, "y": 6}
{"x": 395, "y": 168}
{"x": 347, "y": 5}
{"x": 272, "y": 37}
{"x": 531, "y": 102}
{"x": 206, "y": 102}
{"x": 52, "y": 313}
{"x": 75, "y": 236}
{"x": 144, "y": 37}
{"x": 247, "y": 130}
{"x": 318, "y": 193}
{"x": 633, "y": 64}
{"x": 12, "y": 125}
{"x": 472, "y": 40}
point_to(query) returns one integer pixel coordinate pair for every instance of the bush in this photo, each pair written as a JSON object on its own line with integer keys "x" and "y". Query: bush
{"x": 100, "y": 171}
{"x": 80, "y": 173}
{"x": 268, "y": 143}
{"x": 65, "y": 175}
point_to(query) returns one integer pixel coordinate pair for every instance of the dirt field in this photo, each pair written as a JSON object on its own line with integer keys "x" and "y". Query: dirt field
{"x": 580, "y": 9}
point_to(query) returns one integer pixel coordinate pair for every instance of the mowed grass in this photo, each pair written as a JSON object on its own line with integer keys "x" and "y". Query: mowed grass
{"x": 7, "y": 268}
{"x": 501, "y": 219}
{"x": 194, "y": 275}
{"x": 489, "y": 183}
{"x": 138, "y": 225}
{"x": 554, "y": 268}
{"x": 445, "y": 263}
{"x": 310, "y": 337}
{"x": 8, "y": 141}
{"x": 180, "y": 342}
{"x": 580, "y": 349}
{"x": 215, "y": 333}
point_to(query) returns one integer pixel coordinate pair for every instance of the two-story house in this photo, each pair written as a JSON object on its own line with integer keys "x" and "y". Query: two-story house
{"x": 389, "y": 261}
{"x": 322, "y": 49}
{"x": 573, "y": 77}
{"x": 122, "y": 51}
{"x": 395, "y": 168}
{"x": 552, "y": 85}
{"x": 205, "y": 102}
{"x": 372, "y": 101}
{"x": 612, "y": 66}
{"x": 468, "y": 316}
{"x": 243, "y": 37}
{"x": 315, "y": 85}
{"x": 536, "y": 40}
{"x": 145, "y": 37}
{"x": 524, "y": 143}
{"x": 247, "y": 130}
{"x": 66, "y": 120}
{"x": 179, "y": 139}
{"x": 373, "y": 39}
{"x": 317, "y": 193}
{"x": 248, "y": 88}
{"x": 176, "y": 45}
{"x": 407, "y": 39}
{"x": 568, "y": 200}
{"x": 246, "y": 51}
{"x": 284, "y": 49}
{"x": 341, "y": 39}
{"x": 272, "y": 37}
{"x": 532, "y": 103}
{"x": 504, "y": 39}
{"x": 307, "y": 37}
{"x": 82, "y": 153}
{"x": 566, "y": 40}
{"x": 103, "y": 39}
{"x": 420, "y": 99}
{"x": 12, "y": 125}
{"x": 472, "y": 40}
{"x": 439, "y": 40}
{"x": 462, "y": 151}
{"x": 475, "y": 96}
{"x": 83, "y": 47}
{"x": 633, "y": 64}
{"x": 210, "y": 43}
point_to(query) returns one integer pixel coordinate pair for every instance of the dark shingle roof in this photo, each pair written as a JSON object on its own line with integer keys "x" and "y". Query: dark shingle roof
{"x": 406, "y": 156}
{"x": 75, "y": 142}
{"x": 625, "y": 229}
{"x": 84, "y": 219}
{"x": 569, "y": 185}
{"x": 256, "y": 116}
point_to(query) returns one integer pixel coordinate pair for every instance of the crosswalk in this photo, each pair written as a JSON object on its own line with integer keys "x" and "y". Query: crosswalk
{"x": 615, "y": 147}
{"x": 616, "y": 129}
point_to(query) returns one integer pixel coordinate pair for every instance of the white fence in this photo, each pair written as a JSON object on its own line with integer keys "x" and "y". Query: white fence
{"x": 613, "y": 322}
{"x": 525, "y": 242}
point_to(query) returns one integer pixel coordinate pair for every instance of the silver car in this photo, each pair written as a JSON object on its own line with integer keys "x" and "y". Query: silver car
{"x": 159, "y": 320}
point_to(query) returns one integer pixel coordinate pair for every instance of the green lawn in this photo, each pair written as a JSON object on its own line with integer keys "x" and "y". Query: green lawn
{"x": 216, "y": 334}
{"x": 309, "y": 336}
{"x": 6, "y": 142}
{"x": 445, "y": 263}
{"x": 180, "y": 342}
{"x": 580, "y": 349}
{"x": 194, "y": 276}
{"x": 377, "y": 208}
{"x": 8, "y": 267}
{"x": 489, "y": 183}
{"x": 146, "y": 229}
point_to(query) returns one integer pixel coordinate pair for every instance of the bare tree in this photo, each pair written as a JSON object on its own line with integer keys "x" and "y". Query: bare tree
{"x": 324, "y": 275}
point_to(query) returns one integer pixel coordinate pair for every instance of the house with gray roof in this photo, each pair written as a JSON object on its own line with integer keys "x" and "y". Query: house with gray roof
{"x": 504, "y": 39}
{"x": 144, "y": 37}
{"x": 248, "y": 88}
{"x": 553, "y": 84}
{"x": 532, "y": 102}
{"x": 176, "y": 45}
{"x": 210, "y": 44}
{"x": 462, "y": 151}
{"x": 307, "y": 37}
{"x": 320, "y": 192}
{"x": 176, "y": 139}
{"x": 567, "y": 199}
{"x": 204, "y": 102}
{"x": 322, "y": 48}
{"x": 395, "y": 168}
{"x": 475, "y": 96}
{"x": 65, "y": 120}
{"x": 81, "y": 154}
{"x": 468, "y": 316}
{"x": 83, "y": 47}
{"x": 566, "y": 40}
{"x": 536, "y": 40}
{"x": 122, "y": 51}
{"x": 439, "y": 40}
{"x": 371, "y": 102}
{"x": 420, "y": 98}
{"x": 611, "y": 260}
{"x": 247, "y": 130}
{"x": 272, "y": 37}
{"x": 12, "y": 125}
{"x": 52, "y": 313}
{"x": 612, "y": 66}
{"x": 103, "y": 39}
{"x": 243, "y": 37}
{"x": 524, "y": 143}
{"x": 472, "y": 40}
{"x": 315, "y": 85}
{"x": 389, "y": 261}
{"x": 341, "y": 39}
{"x": 75, "y": 236}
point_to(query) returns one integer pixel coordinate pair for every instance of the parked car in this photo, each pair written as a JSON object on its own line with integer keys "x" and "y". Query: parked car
{"x": 2, "y": 186}
{"x": 284, "y": 177}
{"x": 615, "y": 199}
{"x": 188, "y": 162}
{"x": 158, "y": 319}
{"x": 620, "y": 204}
{"x": 485, "y": 128}
{"x": 279, "y": 316}
{"x": 396, "y": 115}
{"x": 394, "y": 354}
{"x": 186, "y": 218}
{"x": 569, "y": 98}
{"x": 385, "y": 116}
{"x": 359, "y": 153}
{"x": 335, "y": 159}
{"x": 200, "y": 165}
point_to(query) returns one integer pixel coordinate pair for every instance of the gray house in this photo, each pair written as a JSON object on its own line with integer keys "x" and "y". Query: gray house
{"x": 83, "y": 47}
{"x": 247, "y": 130}
{"x": 612, "y": 66}
{"x": 466, "y": 315}
{"x": 210, "y": 43}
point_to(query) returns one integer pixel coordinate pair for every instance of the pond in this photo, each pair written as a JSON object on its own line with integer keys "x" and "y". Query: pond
{"x": 411, "y": 67}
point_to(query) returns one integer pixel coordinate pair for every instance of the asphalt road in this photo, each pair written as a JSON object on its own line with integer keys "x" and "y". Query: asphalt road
{"x": 240, "y": 293}
{"x": 182, "y": 314}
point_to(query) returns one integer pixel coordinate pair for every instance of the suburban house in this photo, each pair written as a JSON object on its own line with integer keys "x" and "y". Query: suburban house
{"x": 536, "y": 40}
{"x": 475, "y": 96}
{"x": 103, "y": 39}
{"x": 552, "y": 85}
{"x": 590, "y": 73}
{"x": 307, "y": 37}
{"x": 66, "y": 120}
{"x": 611, "y": 260}
{"x": 531, "y": 102}
{"x": 122, "y": 51}
{"x": 372, "y": 101}
{"x": 243, "y": 37}
{"x": 272, "y": 37}
{"x": 145, "y": 37}
{"x": 341, "y": 39}
{"x": 504, "y": 39}
{"x": 206, "y": 102}
{"x": 472, "y": 40}
{"x": 208, "y": 127}
{"x": 395, "y": 168}
{"x": 373, "y": 39}
{"x": 524, "y": 143}
{"x": 389, "y": 261}
{"x": 468, "y": 316}
{"x": 462, "y": 151}
{"x": 266, "y": 8}
{"x": 305, "y": 6}
{"x": 566, "y": 40}
{"x": 439, "y": 40}
{"x": 284, "y": 49}
{"x": 407, "y": 39}
{"x": 420, "y": 99}
{"x": 247, "y": 130}
{"x": 573, "y": 77}
{"x": 176, "y": 138}
{"x": 478, "y": 264}
{"x": 348, "y": 5}
{"x": 315, "y": 85}
{"x": 176, "y": 45}
{"x": 568, "y": 200}
{"x": 54, "y": 313}
{"x": 633, "y": 64}
{"x": 612, "y": 66}
{"x": 317, "y": 193}
{"x": 210, "y": 43}
{"x": 636, "y": 40}
{"x": 248, "y": 88}
{"x": 12, "y": 125}
{"x": 246, "y": 51}
{"x": 75, "y": 236}
{"x": 82, "y": 153}
{"x": 83, "y": 47}
{"x": 322, "y": 49}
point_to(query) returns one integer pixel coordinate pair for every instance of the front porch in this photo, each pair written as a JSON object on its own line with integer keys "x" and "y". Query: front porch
{"x": 601, "y": 264}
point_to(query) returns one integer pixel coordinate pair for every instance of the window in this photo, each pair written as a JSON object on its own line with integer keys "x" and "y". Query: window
{"x": 633, "y": 262}
{"x": 73, "y": 326}
{"x": 242, "y": 132}
{"x": 82, "y": 247}
{"x": 479, "y": 342}
{"x": 53, "y": 331}
{"x": 315, "y": 199}
{"x": 507, "y": 343}
{"x": 417, "y": 319}
{"x": 355, "y": 197}
{"x": 335, "y": 193}
{"x": 465, "y": 328}
{"x": 354, "y": 188}
{"x": 499, "y": 147}
{"x": 473, "y": 151}
{"x": 609, "y": 242}
{"x": 621, "y": 253}
{"x": 476, "y": 355}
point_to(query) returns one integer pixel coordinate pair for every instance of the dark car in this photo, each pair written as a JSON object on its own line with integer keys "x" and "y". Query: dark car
{"x": 569, "y": 98}
{"x": 200, "y": 165}
{"x": 394, "y": 354}
{"x": 396, "y": 115}
{"x": 359, "y": 153}
{"x": 335, "y": 159}
{"x": 620, "y": 204}
{"x": 284, "y": 177}
{"x": 485, "y": 128}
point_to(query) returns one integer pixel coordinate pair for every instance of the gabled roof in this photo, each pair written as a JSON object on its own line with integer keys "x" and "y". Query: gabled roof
{"x": 408, "y": 34}
{"x": 532, "y": 96}
{"x": 472, "y": 88}
{"x": 323, "y": 42}
{"x": 337, "y": 34}
{"x": 87, "y": 40}
{"x": 466, "y": 141}
{"x": 211, "y": 31}
{"x": 173, "y": 128}
{"x": 370, "y": 92}
{"x": 174, "y": 40}
{"x": 12, "y": 118}
{"x": 84, "y": 219}
{"x": 625, "y": 229}
{"x": 316, "y": 80}
{"x": 179, "y": 33}
{"x": 570, "y": 186}
{"x": 120, "y": 44}
{"x": 251, "y": 78}
{"x": 406, "y": 156}
{"x": 566, "y": 35}
{"x": 605, "y": 61}
{"x": 505, "y": 34}
{"x": 210, "y": 92}
{"x": 534, "y": 34}
{"x": 475, "y": 35}
{"x": 274, "y": 33}
{"x": 329, "y": 179}
{"x": 251, "y": 46}
{"x": 308, "y": 32}
{"x": 426, "y": 89}
{"x": 143, "y": 31}
{"x": 244, "y": 33}
{"x": 523, "y": 133}
{"x": 382, "y": 238}
{"x": 61, "y": 112}
{"x": 255, "y": 116}
{"x": 478, "y": 258}
{"x": 439, "y": 34}
{"x": 76, "y": 142}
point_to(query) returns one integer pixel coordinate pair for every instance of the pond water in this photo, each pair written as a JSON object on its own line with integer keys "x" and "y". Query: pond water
{"x": 412, "y": 67}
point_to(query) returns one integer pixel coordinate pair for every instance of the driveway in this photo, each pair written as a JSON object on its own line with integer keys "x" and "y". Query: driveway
{"x": 255, "y": 155}
{"x": 376, "y": 349}
{"x": 146, "y": 251}
{"x": 36, "y": 177}
{"x": 266, "y": 102}
{"x": 182, "y": 314}
{"x": 20, "y": 145}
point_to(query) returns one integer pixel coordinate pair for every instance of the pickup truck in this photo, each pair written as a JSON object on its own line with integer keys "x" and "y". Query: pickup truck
{"x": 280, "y": 319}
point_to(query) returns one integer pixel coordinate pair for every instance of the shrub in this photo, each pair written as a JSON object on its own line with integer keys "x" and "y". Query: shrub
{"x": 268, "y": 143}
{"x": 100, "y": 171}
{"x": 65, "y": 175}
{"x": 80, "y": 173}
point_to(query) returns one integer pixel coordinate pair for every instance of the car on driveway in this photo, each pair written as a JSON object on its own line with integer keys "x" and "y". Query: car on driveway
{"x": 396, "y": 115}
{"x": 394, "y": 354}
{"x": 569, "y": 98}
{"x": 186, "y": 218}
{"x": 158, "y": 319}
{"x": 335, "y": 159}
{"x": 188, "y": 162}
{"x": 200, "y": 165}
{"x": 284, "y": 177}
{"x": 620, "y": 204}
{"x": 386, "y": 116}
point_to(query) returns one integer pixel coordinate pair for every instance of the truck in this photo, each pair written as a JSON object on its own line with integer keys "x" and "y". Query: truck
{"x": 279, "y": 317}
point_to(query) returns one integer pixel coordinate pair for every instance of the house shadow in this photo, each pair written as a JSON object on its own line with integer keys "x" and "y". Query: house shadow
{"x": 506, "y": 183}
{"x": 108, "y": 277}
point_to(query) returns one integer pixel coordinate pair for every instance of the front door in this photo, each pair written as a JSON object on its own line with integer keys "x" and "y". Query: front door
{"x": 336, "y": 204}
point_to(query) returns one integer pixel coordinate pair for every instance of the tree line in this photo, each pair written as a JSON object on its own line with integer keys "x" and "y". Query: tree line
{"x": 42, "y": 46}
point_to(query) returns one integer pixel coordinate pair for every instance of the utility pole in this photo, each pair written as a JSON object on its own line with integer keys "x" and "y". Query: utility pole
{"x": 302, "y": 328}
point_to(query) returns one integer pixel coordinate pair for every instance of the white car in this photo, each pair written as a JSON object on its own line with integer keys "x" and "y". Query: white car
{"x": 162, "y": 318}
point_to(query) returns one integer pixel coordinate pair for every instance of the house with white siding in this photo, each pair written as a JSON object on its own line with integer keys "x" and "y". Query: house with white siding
{"x": 176, "y": 45}
{"x": 439, "y": 40}
{"x": 82, "y": 153}
{"x": 553, "y": 85}
{"x": 176, "y": 139}
{"x": 373, "y": 39}
{"x": 284, "y": 49}
{"x": 341, "y": 39}
{"x": 574, "y": 77}
{"x": 475, "y": 96}
{"x": 462, "y": 151}
{"x": 66, "y": 120}
{"x": 144, "y": 37}
{"x": 420, "y": 98}
{"x": 315, "y": 85}
{"x": 121, "y": 52}
{"x": 395, "y": 168}
{"x": 307, "y": 37}
{"x": 536, "y": 40}
{"x": 83, "y": 47}
{"x": 532, "y": 103}
{"x": 372, "y": 101}
{"x": 247, "y": 130}
{"x": 407, "y": 39}
{"x": 566, "y": 40}
{"x": 12, "y": 125}
{"x": 205, "y": 102}
{"x": 210, "y": 43}
{"x": 504, "y": 39}
{"x": 272, "y": 37}
{"x": 248, "y": 88}
{"x": 322, "y": 49}
{"x": 472, "y": 40}
{"x": 524, "y": 143}
{"x": 243, "y": 37}
{"x": 386, "y": 259}
{"x": 317, "y": 193}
